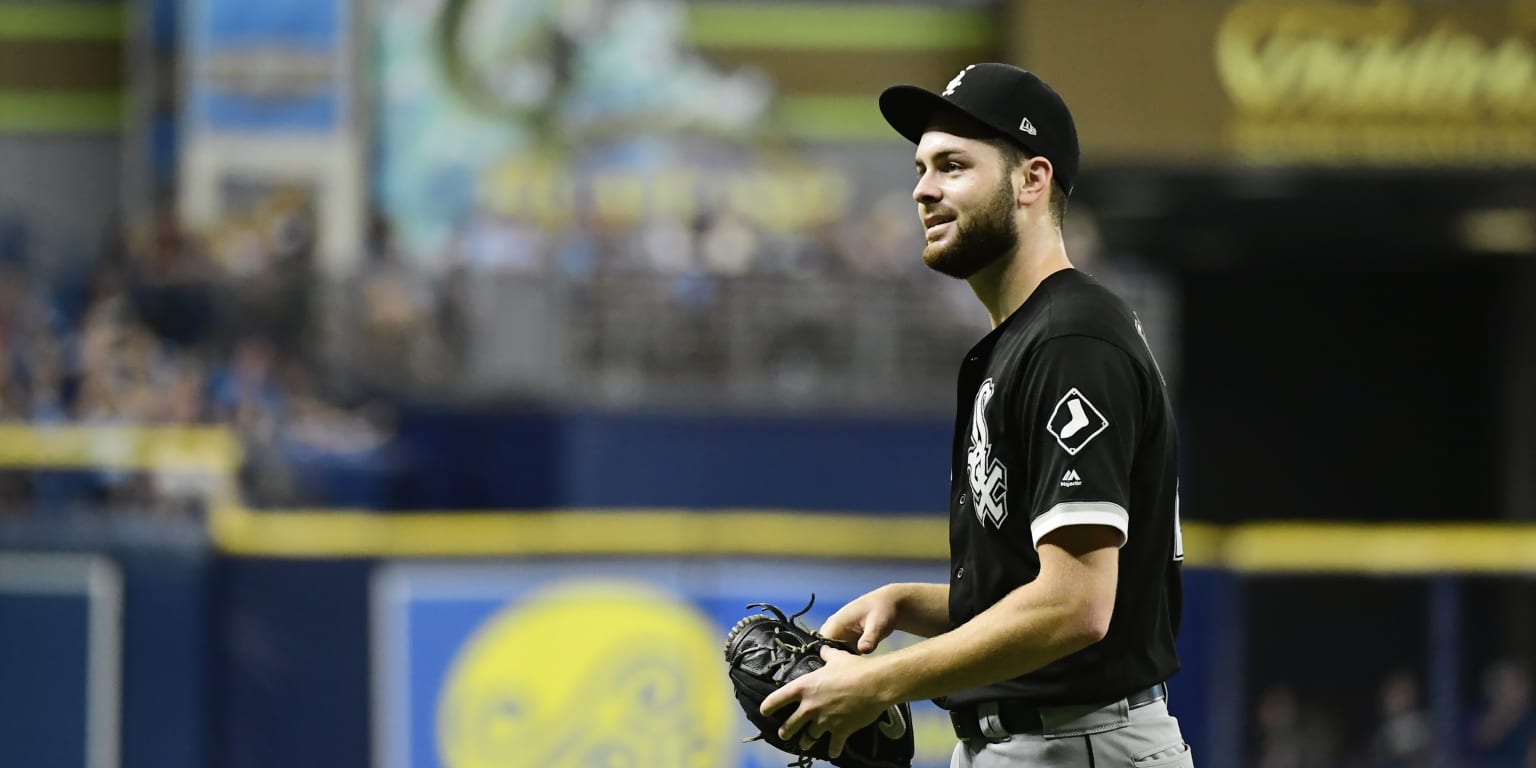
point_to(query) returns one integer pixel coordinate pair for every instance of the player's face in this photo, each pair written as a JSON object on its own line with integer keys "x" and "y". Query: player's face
{"x": 966, "y": 202}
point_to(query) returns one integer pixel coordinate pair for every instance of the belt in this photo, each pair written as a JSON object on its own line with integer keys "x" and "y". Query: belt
{"x": 1021, "y": 717}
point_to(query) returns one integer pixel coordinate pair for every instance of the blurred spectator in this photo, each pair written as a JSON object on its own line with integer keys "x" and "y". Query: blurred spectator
{"x": 399, "y": 342}
{"x": 821, "y": 253}
{"x": 186, "y": 398}
{"x": 40, "y": 388}
{"x": 1503, "y": 730}
{"x": 887, "y": 242}
{"x": 494, "y": 242}
{"x": 266, "y": 257}
{"x": 12, "y": 397}
{"x": 15, "y": 238}
{"x": 1402, "y": 738}
{"x": 184, "y": 401}
{"x": 311, "y": 422}
{"x": 24, "y": 312}
{"x": 320, "y": 449}
{"x": 667, "y": 247}
{"x": 170, "y": 284}
{"x": 578, "y": 250}
{"x": 728, "y": 246}
{"x": 1289, "y": 736}
{"x": 245, "y": 393}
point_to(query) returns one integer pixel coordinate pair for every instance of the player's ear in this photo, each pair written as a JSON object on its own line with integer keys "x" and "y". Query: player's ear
{"x": 1032, "y": 179}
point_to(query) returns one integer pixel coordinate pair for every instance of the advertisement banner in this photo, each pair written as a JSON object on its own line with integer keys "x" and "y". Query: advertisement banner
{"x": 279, "y": 66}
{"x": 576, "y": 663}
{"x": 508, "y": 129}
{"x": 1388, "y": 83}
{"x": 500, "y": 122}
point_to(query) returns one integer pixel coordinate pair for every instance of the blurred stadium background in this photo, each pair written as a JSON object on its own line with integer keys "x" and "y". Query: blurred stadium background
{"x": 415, "y": 383}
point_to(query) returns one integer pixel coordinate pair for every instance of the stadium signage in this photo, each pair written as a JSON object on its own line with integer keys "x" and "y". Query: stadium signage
{"x": 1389, "y": 83}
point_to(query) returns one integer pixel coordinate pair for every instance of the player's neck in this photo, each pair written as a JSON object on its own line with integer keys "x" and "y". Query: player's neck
{"x": 1004, "y": 285}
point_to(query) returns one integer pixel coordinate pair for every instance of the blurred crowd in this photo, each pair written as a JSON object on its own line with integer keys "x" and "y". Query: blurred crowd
{"x": 643, "y": 299}
{"x": 174, "y": 330}
{"x": 242, "y": 325}
{"x": 1498, "y": 732}
{"x": 714, "y": 306}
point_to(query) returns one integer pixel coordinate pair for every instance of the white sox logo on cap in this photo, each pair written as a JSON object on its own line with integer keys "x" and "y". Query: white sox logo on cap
{"x": 955, "y": 83}
{"x": 1014, "y": 102}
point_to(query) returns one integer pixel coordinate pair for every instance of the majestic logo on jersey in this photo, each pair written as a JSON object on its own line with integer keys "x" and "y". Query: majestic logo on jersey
{"x": 988, "y": 476}
{"x": 1075, "y": 422}
{"x": 1071, "y": 479}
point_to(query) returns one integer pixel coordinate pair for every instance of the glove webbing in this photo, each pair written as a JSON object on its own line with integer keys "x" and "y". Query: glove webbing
{"x": 781, "y": 646}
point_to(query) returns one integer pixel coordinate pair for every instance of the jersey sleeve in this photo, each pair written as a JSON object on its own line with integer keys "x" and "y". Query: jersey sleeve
{"x": 1083, "y": 406}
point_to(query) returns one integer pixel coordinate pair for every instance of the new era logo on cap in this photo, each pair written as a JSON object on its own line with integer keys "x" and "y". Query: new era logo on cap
{"x": 997, "y": 96}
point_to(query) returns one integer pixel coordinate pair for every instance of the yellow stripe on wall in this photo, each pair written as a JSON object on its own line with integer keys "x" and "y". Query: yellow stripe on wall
{"x": 320, "y": 533}
{"x": 1249, "y": 548}
{"x": 63, "y": 21}
{"x": 61, "y": 112}
{"x": 835, "y": 117}
{"x": 196, "y": 449}
{"x": 843, "y": 27}
{"x": 1311, "y": 547}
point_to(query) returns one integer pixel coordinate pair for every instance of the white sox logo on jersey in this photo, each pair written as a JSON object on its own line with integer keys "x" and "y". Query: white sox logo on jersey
{"x": 988, "y": 476}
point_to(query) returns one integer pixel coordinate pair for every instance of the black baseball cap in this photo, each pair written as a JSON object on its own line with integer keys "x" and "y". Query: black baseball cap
{"x": 1014, "y": 102}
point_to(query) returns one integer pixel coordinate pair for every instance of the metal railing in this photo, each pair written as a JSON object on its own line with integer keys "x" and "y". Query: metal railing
{"x": 644, "y": 339}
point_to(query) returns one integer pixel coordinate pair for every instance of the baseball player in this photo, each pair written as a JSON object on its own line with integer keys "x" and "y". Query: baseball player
{"x": 1053, "y": 640}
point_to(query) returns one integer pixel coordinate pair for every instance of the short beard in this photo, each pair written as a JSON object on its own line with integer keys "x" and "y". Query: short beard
{"x": 981, "y": 240}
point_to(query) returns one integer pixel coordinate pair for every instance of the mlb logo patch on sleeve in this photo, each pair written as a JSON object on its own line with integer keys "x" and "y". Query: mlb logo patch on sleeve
{"x": 1075, "y": 422}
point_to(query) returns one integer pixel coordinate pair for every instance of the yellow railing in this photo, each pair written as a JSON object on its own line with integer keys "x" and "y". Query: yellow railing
{"x": 1268, "y": 547}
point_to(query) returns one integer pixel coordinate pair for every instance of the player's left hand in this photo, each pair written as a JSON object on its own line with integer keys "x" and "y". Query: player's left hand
{"x": 835, "y": 700}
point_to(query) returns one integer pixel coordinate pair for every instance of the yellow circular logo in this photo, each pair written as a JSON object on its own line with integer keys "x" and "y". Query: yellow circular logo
{"x": 589, "y": 675}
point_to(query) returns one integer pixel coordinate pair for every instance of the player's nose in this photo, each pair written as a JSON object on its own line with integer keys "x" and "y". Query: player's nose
{"x": 926, "y": 191}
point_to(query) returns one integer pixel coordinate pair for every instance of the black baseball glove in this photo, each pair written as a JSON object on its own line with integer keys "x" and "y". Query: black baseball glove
{"x": 766, "y": 650}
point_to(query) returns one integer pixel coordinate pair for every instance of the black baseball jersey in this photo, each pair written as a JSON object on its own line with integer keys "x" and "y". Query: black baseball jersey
{"x": 1063, "y": 419}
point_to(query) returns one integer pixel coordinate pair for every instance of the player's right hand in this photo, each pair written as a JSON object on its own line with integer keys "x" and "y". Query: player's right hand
{"x": 864, "y": 622}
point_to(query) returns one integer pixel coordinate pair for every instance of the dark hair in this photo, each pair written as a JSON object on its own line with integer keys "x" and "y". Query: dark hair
{"x": 1013, "y": 156}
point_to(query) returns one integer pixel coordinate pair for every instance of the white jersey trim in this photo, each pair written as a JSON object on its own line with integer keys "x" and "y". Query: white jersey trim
{"x": 1082, "y": 513}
